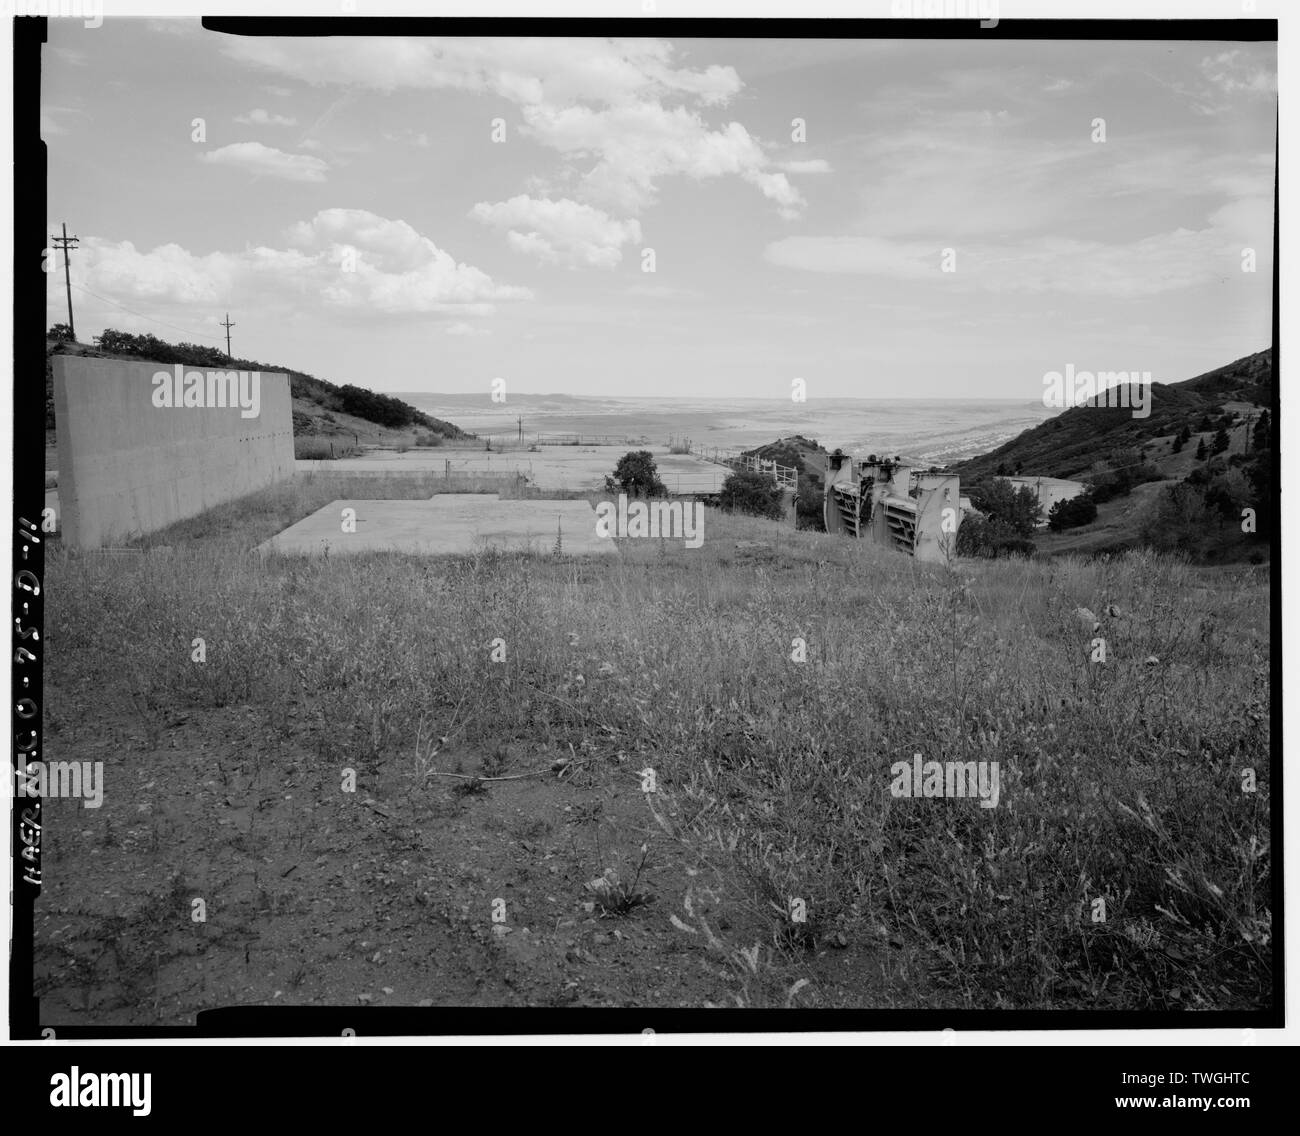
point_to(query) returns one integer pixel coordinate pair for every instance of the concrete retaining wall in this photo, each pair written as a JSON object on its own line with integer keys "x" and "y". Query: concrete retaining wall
{"x": 128, "y": 465}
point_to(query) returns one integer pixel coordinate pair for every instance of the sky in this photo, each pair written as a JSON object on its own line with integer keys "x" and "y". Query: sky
{"x": 881, "y": 219}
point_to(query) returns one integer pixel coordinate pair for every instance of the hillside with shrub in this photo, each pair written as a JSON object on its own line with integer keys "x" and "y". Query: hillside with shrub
{"x": 319, "y": 406}
{"x": 1181, "y": 480}
{"x": 808, "y": 457}
{"x": 1070, "y": 444}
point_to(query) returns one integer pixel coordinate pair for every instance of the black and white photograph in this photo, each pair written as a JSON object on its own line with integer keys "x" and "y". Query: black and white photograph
{"x": 727, "y": 523}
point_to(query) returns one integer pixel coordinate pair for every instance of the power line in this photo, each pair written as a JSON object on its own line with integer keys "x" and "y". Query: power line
{"x": 141, "y": 315}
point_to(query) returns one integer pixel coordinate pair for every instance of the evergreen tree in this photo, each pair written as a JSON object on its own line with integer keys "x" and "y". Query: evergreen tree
{"x": 1262, "y": 437}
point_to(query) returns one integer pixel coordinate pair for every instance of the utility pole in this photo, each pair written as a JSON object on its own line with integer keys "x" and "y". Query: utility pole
{"x": 227, "y": 325}
{"x": 66, "y": 242}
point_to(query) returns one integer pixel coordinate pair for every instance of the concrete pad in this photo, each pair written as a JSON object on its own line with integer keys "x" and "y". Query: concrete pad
{"x": 447, "y": 524}
{"x": 570, "y": 468}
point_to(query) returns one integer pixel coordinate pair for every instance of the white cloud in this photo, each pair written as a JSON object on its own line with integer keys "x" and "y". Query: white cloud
{"x": 1233, "y": 71}
{"x": 259, "y": 116}
{"x": 1146, "y": 266}
{"x": 410, "y": 137}
{"x": 901, "y": 260}
{"x": 342, "y": 259}
{"x": 525, "y": 71}
{"x": 593, "y": 100}
{"x": 562, "y": 232}
{"x": 637, "y": 143}
{"x": 807, "y": 166}
{"x": 460, "y": 327}
{"x": 660, "y": 291}
{"x": 259, "y": 159}
{"x": 177, "y": 26}
{"x": 278, "y": 92}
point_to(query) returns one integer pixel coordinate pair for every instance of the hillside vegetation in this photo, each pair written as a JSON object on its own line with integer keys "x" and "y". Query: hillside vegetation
{"x": 319, "y": 407}
{"x": 1197, "y": 477}
{"x": 1070, "y": 444}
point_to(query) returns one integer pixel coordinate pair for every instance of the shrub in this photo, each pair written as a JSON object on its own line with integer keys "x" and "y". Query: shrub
{"x": 1262, "y": 437}
{"x": 316, "y": 448}
{"x": 810, "y": 502}
{"x": 752, "y": 494}
{"x": 636, "y": 475}
{"x": 1228, "y": 493}
{"x": 1081, "y": 510}
{"x": 989, "y": 538}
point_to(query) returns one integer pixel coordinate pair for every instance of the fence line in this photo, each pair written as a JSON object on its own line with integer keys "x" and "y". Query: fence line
{"x": 504, "y": 442}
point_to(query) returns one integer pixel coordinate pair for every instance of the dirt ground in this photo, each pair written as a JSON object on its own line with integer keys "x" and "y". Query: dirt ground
{"x": 411, "y": 891}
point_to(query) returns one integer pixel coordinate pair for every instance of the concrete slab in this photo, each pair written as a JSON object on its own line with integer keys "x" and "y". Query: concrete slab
{"x": 571, "y": 468}
{"x": 447, "y": 524}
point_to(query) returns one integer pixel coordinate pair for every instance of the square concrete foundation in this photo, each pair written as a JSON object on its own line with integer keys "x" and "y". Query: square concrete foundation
{"x": 446, "y": 524}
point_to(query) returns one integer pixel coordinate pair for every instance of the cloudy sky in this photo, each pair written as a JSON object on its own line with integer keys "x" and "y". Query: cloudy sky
{"x": 433, "y": 214}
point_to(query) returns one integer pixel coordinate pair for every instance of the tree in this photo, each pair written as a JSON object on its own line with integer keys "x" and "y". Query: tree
{"x": 753, "y": 494}
{"x": 1201, "y": 452}
{"x": 60, "y": 331}
{"x": 636, "y": 475}
{"x": 1221, "y": 441}
{"x": 1177, "y": 444}
{"x": 1080, "y": 510}
{"x": 1262, "y": 438}
{"x": 1228, "y": 493}
{"x": 1016, "y": 508}
{"x": 1178, "y": 519}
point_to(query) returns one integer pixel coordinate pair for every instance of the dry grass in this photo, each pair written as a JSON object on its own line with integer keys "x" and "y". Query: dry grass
{"x": 312, "y": 447}
{"x": 1120, "y": 781}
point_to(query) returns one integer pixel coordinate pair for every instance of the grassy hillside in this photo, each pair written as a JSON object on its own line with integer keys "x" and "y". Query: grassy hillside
{"x": 1180, "y": 480}
{"x": 320, "y": 407}
{"x": 1120, "y": 781}
{"x": 1072, "y": 442}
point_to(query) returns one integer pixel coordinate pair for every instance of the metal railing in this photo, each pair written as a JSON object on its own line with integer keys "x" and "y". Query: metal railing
{"x": 786, "y": 476}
